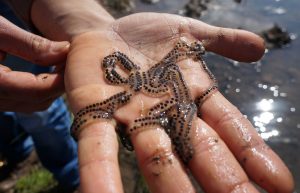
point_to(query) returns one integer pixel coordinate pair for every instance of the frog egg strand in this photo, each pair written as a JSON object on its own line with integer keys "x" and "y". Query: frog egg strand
{"x": 174, "y": 115}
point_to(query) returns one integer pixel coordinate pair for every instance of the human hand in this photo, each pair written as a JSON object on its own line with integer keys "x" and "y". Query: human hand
{"x": 227, "y": 148}
{"x": 22, "y": 91}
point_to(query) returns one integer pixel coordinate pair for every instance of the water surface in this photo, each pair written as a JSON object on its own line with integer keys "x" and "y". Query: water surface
{"x": 267, "y": 92}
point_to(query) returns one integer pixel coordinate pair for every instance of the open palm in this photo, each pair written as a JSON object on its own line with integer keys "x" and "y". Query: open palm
{"x": 227, "y": 149}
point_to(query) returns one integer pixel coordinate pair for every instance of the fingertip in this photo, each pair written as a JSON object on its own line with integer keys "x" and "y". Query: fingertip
{"x": 240, "y": 45}
{"x": 284, "y": 182}
{"x": 280, "y": 181}
{"x": 237, "y": 44}
{"x": 288, "y": 185}
{"x": 61, "y": 47}
{"x": 262, "y": 164}
{"x": 271, "y": 174}
{"x": 254, "y": 43}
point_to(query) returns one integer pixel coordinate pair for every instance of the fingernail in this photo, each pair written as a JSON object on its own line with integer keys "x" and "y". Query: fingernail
{"x": 61, "y": 46}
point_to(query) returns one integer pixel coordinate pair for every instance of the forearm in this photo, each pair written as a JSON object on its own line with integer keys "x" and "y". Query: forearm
{"x": 61, "y": 20}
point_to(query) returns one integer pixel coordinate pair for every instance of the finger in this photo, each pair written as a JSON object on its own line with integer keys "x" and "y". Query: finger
{"x": 236, "y": 44}
{"x": 24, "y": 106}
{"x": 22, "y": 85}
{"x": 98, "y": 159}
{"x": 2, "y": 56}
{"x": 97, "y": 143}
{"x": 39, "y": 50}
{"x": 160, "y": 167}
{"x": 213, "y": 165}
{"x": 259, "y": 161}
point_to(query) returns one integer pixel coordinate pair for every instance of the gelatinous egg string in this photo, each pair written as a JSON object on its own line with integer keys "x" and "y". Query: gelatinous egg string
{"x": 175, "y": 115}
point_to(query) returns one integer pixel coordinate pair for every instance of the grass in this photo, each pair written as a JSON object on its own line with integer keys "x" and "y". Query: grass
{"x": 141, "y": 185}
{"x": 38, "y": 180}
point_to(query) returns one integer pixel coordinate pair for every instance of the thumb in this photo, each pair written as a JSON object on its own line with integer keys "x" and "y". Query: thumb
{"x": 26, "y": 45}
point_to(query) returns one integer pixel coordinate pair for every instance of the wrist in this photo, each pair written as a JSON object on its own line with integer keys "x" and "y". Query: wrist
{"x": 66, "y": 19}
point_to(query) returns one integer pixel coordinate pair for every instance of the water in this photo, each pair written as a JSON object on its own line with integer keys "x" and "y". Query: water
{"x": 267, "y": 92}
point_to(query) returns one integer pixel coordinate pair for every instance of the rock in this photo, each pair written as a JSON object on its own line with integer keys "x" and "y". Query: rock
{"x": 118, "y": 7}
{"x": 276, "y": 37}
{"x": 237, "y": 1}
{"x": 150, "y": 1}
{"x": 194, "y": 8}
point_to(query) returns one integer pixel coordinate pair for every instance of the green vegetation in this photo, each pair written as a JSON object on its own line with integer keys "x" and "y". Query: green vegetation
{"x": 141, "y": 185}
{"x": 37, "y": 181}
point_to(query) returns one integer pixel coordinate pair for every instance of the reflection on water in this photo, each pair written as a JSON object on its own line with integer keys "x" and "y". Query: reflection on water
{"x": 265, "y": 106}
{"x": 275, "y": 10}
{"x": 267, "y": 91}
{"x": 266, "y": 118}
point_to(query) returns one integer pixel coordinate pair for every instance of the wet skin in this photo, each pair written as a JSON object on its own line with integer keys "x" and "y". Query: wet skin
{"x": 222, "y": 140}
{"x": 174, "y": 115}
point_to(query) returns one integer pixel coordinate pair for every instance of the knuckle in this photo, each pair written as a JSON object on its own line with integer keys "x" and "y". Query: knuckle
{"x": 38, "y": 44}
{"x": 155, "y": 163}
{"x": 230, "y": 116}
{"x": 234, "y": 35}
{"x": 240, "y": 126}
{"x": 240, "y": 186}
{"x": 153, "y": 149}
{"x": 206, "y": 144}
{"x": 158, "y": 156}
{"x": 220, "y": 34}
{"x": 97, "y": 161}
{"x": 101, "y": 135}
{"x": 247, "y": 150}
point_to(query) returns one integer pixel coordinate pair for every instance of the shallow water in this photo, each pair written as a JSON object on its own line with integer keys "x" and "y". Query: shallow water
{"x": 267, "y": 92}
